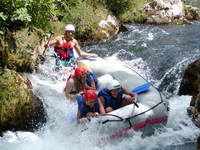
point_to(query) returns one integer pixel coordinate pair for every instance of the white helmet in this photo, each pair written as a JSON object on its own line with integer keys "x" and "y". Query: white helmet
{"x": 113, "y": 84}
{"x": 70, "y": 27}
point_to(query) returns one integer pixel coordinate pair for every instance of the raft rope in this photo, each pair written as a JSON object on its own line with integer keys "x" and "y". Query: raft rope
{"x": 121, "y": 119}
{"x": 129, "y": 118}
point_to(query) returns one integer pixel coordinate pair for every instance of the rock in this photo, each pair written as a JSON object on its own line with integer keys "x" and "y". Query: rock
{"x": 165, "y": 11}
{"x": 197, "y": 122}
{"x": 107, "y": 28}
{"x": 198, "y": 143}
{"x": 192, "y": 13}
{"x": 20, "y": 109}
{"x": 191, "y": 111}
{"x": 157, "y": 19}
{"x": 190, "y": 84}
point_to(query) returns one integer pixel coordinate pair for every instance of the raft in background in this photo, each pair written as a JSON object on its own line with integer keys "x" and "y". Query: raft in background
{"x": 152, "y": 112}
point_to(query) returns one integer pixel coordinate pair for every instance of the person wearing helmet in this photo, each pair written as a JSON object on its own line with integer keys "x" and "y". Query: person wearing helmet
{"x": 112, "y": 97}
{"x": 88, "y": 105}
{"x": 79, "y": 81}
{"x": 65, "y": 45}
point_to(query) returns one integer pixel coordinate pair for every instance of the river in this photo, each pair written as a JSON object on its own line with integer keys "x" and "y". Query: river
{"x": 159, "y": 53}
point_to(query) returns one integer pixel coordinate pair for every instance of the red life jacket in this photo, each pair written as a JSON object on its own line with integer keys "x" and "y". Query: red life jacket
{"x": 64, "y": 51}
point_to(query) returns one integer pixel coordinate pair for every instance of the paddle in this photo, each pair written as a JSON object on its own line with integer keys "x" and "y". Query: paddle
{"x": 72, "y": 118}
{"x": 136, "y": 104}
{"x": 138, "y": 90}
{"x": 42, "y": 57}
{"x": 142, "y": 88}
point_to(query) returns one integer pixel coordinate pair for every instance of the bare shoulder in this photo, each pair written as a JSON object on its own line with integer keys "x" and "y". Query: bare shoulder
{"x": 59, "y": 37}
{"x": 74, "y": 41}
{"x": 70, "y": 81}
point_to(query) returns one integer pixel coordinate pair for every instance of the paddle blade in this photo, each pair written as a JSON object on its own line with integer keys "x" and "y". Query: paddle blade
{"x": 142, "y": 88}
{"x": 72, "y": 118}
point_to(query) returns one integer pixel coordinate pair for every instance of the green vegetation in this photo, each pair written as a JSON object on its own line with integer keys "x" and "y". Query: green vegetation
{"x": 16, "y": 48}
{"x": 18, "y": 14}
{"x": 134, "y": 13}
{"x": 85, "y": 16}
{"x": 20, "y": 21}
{"x": 12, "y": 94}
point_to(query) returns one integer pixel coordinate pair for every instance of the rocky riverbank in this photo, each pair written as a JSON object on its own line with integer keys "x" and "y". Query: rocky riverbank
{"x": 190, "y": 85}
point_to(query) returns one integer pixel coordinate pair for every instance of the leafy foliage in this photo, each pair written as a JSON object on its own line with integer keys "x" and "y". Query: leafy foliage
{"x": 15, "y": 50}
{"x": 17, "y": 103}
{"x": 134, "y": 13}
{"x": 10, "y": 90}
{"x": 84, "y": 15}
{"x": 16, "y": 14}
{"x": 54, "y": 14}
{"x": 118, "y": 6}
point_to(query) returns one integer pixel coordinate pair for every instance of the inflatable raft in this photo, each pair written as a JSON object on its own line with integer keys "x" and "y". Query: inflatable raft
{"x": 151, "y": 112}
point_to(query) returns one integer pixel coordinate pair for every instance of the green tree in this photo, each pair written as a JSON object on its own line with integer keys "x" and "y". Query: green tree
{"x": 17, "y": 14}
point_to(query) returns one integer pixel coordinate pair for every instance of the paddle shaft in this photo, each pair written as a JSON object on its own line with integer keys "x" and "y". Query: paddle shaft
{"x": 47, "y": 47}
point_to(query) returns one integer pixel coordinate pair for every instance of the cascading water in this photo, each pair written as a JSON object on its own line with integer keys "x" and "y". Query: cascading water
{"x": 159, "y": 53}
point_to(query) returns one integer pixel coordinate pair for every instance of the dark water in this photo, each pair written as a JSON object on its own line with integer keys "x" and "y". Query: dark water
{"x": 166, "y": 49}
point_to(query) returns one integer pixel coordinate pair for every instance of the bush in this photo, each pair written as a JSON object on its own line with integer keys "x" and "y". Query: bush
{"x": 134, "y": 13}
{"x": 17, "y": 14}
{"x": 15, "y": 50}
{"x": 84, "y": 15}
{"x": 118, "y": 6}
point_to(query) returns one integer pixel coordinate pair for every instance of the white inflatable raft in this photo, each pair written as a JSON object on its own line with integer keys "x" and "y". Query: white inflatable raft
{"x": 152, "y": 112}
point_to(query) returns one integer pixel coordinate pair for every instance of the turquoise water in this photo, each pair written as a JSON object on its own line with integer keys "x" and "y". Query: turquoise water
{"x": 159, "y": 53}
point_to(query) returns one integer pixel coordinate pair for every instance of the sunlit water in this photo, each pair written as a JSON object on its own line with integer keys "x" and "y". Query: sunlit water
{"x": 159, "y": 53}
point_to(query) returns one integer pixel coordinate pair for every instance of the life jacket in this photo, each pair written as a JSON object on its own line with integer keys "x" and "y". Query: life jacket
{"x": 64, "y": 50}
{"x": 110, "y": 101}
{"x": 84, "y": 109}
{"x": 89, "y": 80}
